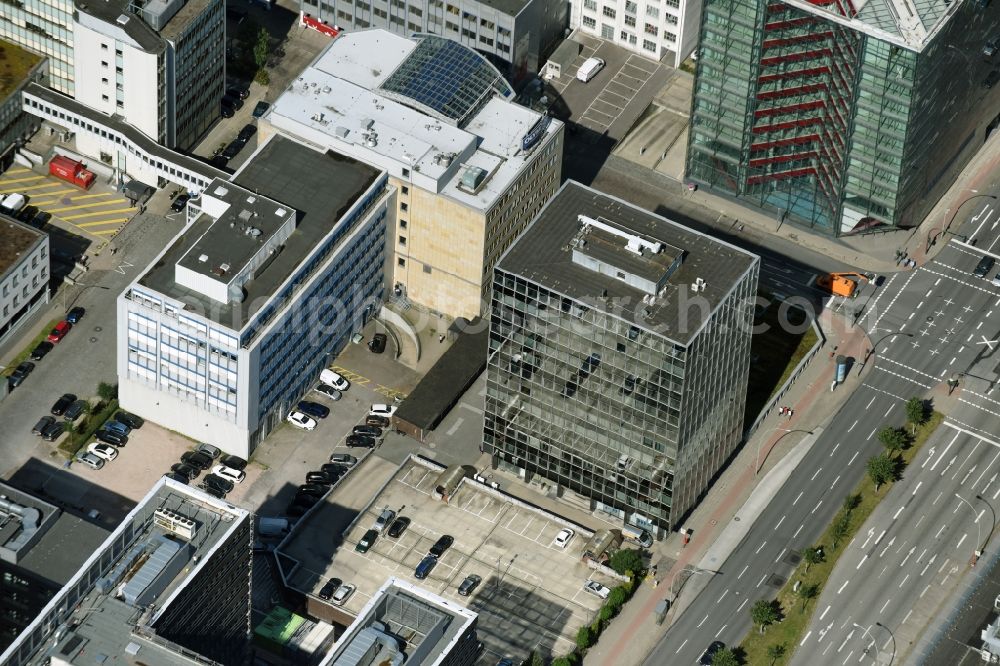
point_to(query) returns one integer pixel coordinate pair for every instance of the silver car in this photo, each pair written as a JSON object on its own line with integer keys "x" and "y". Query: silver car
{"x": 90, "y": 460}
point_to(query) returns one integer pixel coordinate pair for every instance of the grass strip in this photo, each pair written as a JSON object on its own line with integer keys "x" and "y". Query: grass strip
{"x": 26, "y": 352}
{"x": 84, "y": 430}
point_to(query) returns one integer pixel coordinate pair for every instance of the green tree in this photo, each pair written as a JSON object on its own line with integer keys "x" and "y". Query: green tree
{"x": 893, "y": 439}
{"x": 617, "y": 597}
{"x": 812, "y": 556}
{"x": 880, "y": 470}
{"x": 841, "y": 527}
{"x": 606, "y": 613}
{"x": 107, "y": 392}
{"x": 626, "y": 560}
{"x": 261, "y": 48}
{"x": 776, "y": 652}
{"x": 725, "y": 657}
{"x": 807, "y": 593}
{"x": 851, "y": 502}
{"x": 915, "y": 412}
{"x": 584, "y": 639}
{"x": 764, "y": 613}
{"x": 537, "y": 659}
{"x": 563, "y": 661}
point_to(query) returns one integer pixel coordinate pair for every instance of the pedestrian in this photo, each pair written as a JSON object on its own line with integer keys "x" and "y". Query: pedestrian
{"x": 790, "y": 412}
{"x": 440, "y": 338}
{"x": 781, "y": 411}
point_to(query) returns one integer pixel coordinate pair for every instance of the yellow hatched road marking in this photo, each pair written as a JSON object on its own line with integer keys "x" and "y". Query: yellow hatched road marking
{"x": 87, "y": 205}
{"x": 43, "y": 186}
{"x": 85, "y": 196}
{"x": 95, "y": 214}
{"x": 22, "y": 180}
{"x": 17, "y": 168}
{"x": 104, "y": 232}
{"x": 117, "y": 220}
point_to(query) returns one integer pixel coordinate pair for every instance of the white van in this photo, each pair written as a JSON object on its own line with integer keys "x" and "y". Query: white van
{"x": 637, "y": 536}
{"x": 589, "y": 69}
{"x": 12, "y": 203}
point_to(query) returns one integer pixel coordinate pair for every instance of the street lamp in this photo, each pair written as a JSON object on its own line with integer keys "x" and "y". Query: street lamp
{"x": 867, "y": 632}
{"x": 947, "y": 229}
{"x": 756, "y": 467}
{"x": 871, "y": 351}
{"x": 979, "y": 531}
{"x": 892, "y": 657}
{"x": 694, "y": 572}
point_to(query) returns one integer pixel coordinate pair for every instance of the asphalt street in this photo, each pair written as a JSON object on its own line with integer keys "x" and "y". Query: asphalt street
{"x": 951, "y": 316}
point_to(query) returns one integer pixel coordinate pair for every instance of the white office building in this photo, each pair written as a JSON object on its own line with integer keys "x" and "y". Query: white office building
{"x": 159, "y": 68}
{"x": 24, "y": 273}
{"x": 273, "y": 273}
{"x": 657, "y": 29}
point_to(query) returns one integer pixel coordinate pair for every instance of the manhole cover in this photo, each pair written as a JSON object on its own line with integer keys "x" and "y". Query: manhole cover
{"x": 930, "y": 319}
{"x": 776, "y": 581}
{"x": 98, "y": 329}
{"x": 93, "y": 339}
{"x": 793, "y": 558}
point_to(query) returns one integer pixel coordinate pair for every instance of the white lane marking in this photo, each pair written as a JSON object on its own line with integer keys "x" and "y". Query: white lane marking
{"x": 834, "y": 449}
{"x": 939, "y": 531}
{"x": 943, "y": 565}
{"x": 825, "y": 612}
{"x": 721, "y": 629}
{"x": 870, "y": 402}
{"x": 682, "y": 646}
{"x": 959, "y": 544}
{"x": 797, "y": 532}
{"x": 742, "y": 605}
{"x": 834, "y": 482}
{"x": 762, "y": 579}
{"x": 722, "y": 597}
{"x": 926, "y": 587}
{"x": 890, "y": 409}
{"x": 852, "y": 426}
{"x": 702, "y": 622}
{"x": 797, "y": 498}
{"x": 779, "y": 523}
{"x": 851, "y": 461}
{"x": 816, "y": 474}
{"x": 805, "y": 638}
{"x": 816, "y": 507}
{"x": 743, "y": 572}
{"x": 861, "y": 562}
{"x": 760, "y": 548}
{"x": 843, "y": 586}
{"x": 904, "y": 581}
{"x": 919, "y": 483}
{"x": 898, "y": 511}
{"x": 884, "y": 605}
{"x": 906, "y": 617}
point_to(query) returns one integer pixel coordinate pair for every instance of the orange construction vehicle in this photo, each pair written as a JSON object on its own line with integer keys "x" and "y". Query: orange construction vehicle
{"x": 841, "y": 284}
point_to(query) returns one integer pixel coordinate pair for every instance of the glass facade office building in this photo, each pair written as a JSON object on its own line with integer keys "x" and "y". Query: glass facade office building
{"x": 46, "y": 27}
{"x": 839, "y": 119}
{"x": 609, "y": 373}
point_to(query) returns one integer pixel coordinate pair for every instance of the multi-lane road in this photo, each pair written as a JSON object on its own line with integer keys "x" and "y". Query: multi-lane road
{"x": 926, "y": 326}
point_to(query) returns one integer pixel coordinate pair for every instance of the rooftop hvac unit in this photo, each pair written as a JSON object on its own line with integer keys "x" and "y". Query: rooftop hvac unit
{"x": 175, "y": 523}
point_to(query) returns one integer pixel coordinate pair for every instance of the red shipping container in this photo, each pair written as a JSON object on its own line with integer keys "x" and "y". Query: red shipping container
{"x": 72, "y": 171}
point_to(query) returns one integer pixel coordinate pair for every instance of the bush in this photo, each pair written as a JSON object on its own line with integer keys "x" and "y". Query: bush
{"x": 584, "y": 638}
{"x": 107, "y": 392}
{"x": 568, "y": 660}
{"x": 617, "y": 598}
{"x": 627, "y": 559}
{"x": 605, "y": 614}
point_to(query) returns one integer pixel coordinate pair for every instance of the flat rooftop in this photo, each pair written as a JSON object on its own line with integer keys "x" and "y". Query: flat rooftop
{"x": 15, "y": 64}
{"x": 530, "y": 593}
{"x": 115, "y": 13}
{"x": 15, "y": 240}
{"x": 138, "y": 583}
{"x": 544, "y": 255}
{"x": 319, "y": 188}
{"x": 64, "y": 548}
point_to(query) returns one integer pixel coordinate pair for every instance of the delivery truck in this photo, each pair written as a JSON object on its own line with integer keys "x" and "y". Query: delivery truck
{"x": 72, "y": 171}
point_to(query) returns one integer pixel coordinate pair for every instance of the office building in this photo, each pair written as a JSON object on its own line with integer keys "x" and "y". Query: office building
{"x": 159, "y": 66}
{"x": 18, "y": 69}
{"x": 273, "y": 273}
{"x": 403, "y": 622}
{"x": 171, "y": 585}
{"x": 44, "y": 27}
{"x": 844, "y": 118}
{"x": 516, "y": 35}
{"x": 667, "y": 31}
{"x": 41, "y": 547}
{"x": 470, "y": 167}
{"x": 619, "y": 355}
{"x": 24, "y": 273}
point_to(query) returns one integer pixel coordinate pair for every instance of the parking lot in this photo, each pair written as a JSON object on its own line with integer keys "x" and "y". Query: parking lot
{"x": 531, "y": 594}
{"x": 98, "y": 213}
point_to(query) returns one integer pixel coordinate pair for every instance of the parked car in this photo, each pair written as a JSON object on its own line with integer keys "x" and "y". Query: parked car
{"x": 425, "y": 567}
{"x": 196, "y": 459}
{"x": 214, "y": 492}
{"x": 343, "y": 459}
{"x": 102, "y": 450}
{"x": 595, "y": 588}
{"x": 377, "y": 344}
{"x": 117, "y": 427}
{"x": 179, "y": 478}
{"x": 247, "y": 132}
{"x": 90, "y": 460}
{"x": 233, "y": 462}
{"x": 306, "y": 500}
{"x": 43, "y": 423}
{"x": 229, "y": 474}
{"x": 75, "y": 315}
{"x": 319, "y": 478}
{"x": 314, "y": 489}
{"x": 234, "y": 103}
{"x": 327, "y": 590}
{"x": 384, "y": 519}
{"x": 334, "y": 379}
{"x": 20, "y": 373}
{"x": 131, "y": 420}
{"x": 41, "y": 219}
{"x": 563, "y": 538}
{"x": 398, "y": 526}
{"x": 300, "y": 420}
{"x": 295, "y": 510}
{"x": 60, "y": 331}
{"x": 220, "y": 161}
{"x": 441, "y": 545}
{"x": 469, "y": 584}
{"x": 27, "y": 214}
{"x": 212, "y": 452}
{"x": 329, "y": 392}
{"x": 367, "y": 541}
{"x": 984, "y": 266}
{"x": 238, "y": 93}
{"x": 62, "y": 404}
{"x": 189, "y": 472}
{"x": 355, "y": 441}
{"x": 383, "y": 410}
{"x": 313, "y": 409}
{"x": 260, "y": 109}
{"x": 379, "y": 421}
{"x": 333, "y": 471}
{"x": 215, "y": 481}
{"x": 710, "y": 651}
{"x": 226, "y": 111}
{"x": 110, "y": 437}
{"x": 74, "y": 411}
{"x": 40, "y": 350}
{"x": 371, "y": 431}
{"x": 53, "y": 431}
{"x": 342, "y": 594}
{"x": 233, "y": 149}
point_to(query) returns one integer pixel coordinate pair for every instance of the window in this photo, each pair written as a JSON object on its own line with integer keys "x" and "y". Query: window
{"x": 104, "y": 81}
{"x": 631, "y": 7}
{"x": 406, "y": 190}
{"x": 652, "y": 11}
{"x": 104, "y": 98}
{"x": 489, "y": 25}
{"x": 670, "y": 36}
{"x": 451, "y": 26}
{"x": 402, "y": 240}
{"x": 402, "y": 224}
{"x": 401, "y": 262}
{"x": 104, "y": 64}
{"x": 404, "y": 206}
{"x": 590, "y": 4}
{"x": 670, "y": 18}
{"x": 630, "y": 21}
{"x": 406, "y": 173}
{"x": 608, "y": 11}
{"x": 607, "y": 31}
{"x": 652, "y": 29}
{"x": 648, "y": 45}
{"x": 427, "y": 269}
{"x": 104, "y": 47}
{"x": 589, "y": 22}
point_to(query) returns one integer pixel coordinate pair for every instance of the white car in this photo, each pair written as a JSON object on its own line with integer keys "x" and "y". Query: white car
{"x": 103, "y": 451}
{"x": 334, "y": 379}
{"x": 230, "y": 474}
{"x": 382, "y": 410}
{"x": 342, "y": 593}
{"x": 563, "y": 538}
{"x": 596, "y": 589}
{"x": 300, "y": 420}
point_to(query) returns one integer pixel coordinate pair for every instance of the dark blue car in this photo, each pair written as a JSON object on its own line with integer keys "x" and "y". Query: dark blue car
{"x": 75, "y": 315}
{"x": 117, "y": 427}
{"x": 313, "y": 409}
{"x": 425, "y": 567}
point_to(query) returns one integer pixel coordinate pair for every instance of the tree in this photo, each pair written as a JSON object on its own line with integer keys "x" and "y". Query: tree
{"x": 881, "y": 470}
{"x": 617, "y": 597}
{"x": 806, "y": 593}
{"x": 537, "y": 659}
{"x": 812, "y": 556}
{"x": 626, "y": 560}
{"x": 725, "y": 657}
{"x": 763, "y": 613}
{"x": 606, "y": 613}
{"x": 584, "y": 639}
{"x": 841, "y": 527}
{"x": 893, "y": 439}
{"x": 563, "y": 661}
{"x": 776, "y": 652}
{"x": 261, "y": 48}
{"x": 851, "y": 502}
{"x": 915, "y": 412}
{"x": 107, "y": 392}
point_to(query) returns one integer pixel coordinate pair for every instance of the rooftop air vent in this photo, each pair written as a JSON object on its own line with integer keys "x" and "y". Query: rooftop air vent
{"x": 372, "y": 140}
{"x": 203, "y": 258}
{"x": 123, "y": 19}
{"x": 281, "y": 212}
{"x": 220, "y": 191}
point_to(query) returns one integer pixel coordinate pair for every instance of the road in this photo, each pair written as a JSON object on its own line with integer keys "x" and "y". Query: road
{"x": 951, "y": 316}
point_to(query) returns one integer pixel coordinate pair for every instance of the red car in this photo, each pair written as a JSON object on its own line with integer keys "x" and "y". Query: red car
{"x": 60, "y": 331}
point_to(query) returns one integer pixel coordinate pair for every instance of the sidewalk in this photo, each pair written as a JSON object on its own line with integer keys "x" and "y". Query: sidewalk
{"x": 633, "y": 634}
